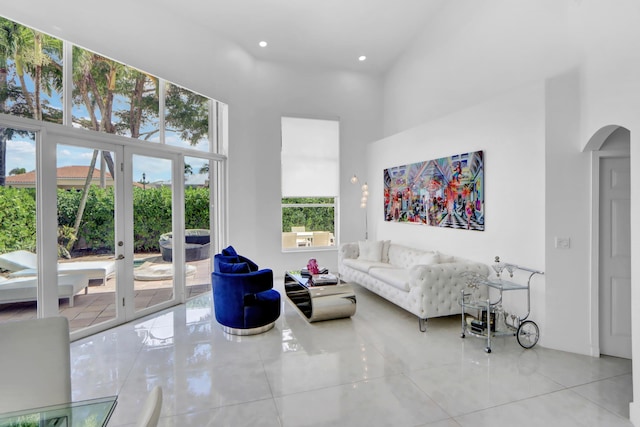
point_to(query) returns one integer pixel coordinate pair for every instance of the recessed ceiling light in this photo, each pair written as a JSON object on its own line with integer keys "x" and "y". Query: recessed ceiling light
{"x": 263, "y": 44}
{"x": 362, "y": 58}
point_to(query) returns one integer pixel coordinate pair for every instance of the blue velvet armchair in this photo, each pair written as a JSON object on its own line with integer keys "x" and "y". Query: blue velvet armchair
{"x": 244, "y": 300}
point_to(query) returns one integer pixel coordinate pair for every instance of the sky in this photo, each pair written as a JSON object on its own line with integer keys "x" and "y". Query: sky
{"x": 21, "y": 153}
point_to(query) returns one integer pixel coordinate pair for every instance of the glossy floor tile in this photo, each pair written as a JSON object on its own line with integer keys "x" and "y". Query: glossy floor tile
{"x": 374, "y": 369}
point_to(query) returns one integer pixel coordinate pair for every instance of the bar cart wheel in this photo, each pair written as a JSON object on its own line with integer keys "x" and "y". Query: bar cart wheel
{"x": 528, "y": 334}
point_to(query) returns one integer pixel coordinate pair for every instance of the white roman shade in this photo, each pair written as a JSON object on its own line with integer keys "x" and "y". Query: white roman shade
{"x": 309, "y": 157}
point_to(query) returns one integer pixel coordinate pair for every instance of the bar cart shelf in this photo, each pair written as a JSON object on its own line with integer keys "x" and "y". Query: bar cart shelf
{"x": 492, "y": 321}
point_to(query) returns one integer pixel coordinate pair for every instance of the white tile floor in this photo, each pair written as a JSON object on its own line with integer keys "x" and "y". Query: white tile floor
{"x": 375, "y": 369}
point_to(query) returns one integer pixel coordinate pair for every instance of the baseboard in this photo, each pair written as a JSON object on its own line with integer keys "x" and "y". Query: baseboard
{"x": 634, "y": 413}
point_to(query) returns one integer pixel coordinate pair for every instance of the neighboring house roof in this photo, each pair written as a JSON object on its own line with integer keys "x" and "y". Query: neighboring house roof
{"x": 68, "y": 177}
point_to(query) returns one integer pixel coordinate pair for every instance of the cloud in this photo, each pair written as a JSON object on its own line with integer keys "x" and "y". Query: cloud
{"x": 21, "y": 154}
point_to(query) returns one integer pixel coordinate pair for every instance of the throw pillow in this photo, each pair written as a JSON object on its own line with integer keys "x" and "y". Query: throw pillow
{"x": 252, "y": 265}
{"x": 233, "y": 268}
{"x": 445, "y": 258}
{"x": 428, "y": 258}
{"x": 228, "y": 259}
{"x": 229, "y": 251}
{"x": 385, "y": 250}
{"x": 370, "y": 250}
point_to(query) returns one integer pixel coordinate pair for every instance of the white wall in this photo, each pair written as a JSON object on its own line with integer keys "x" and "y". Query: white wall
{"x": 510, "y": 130}
{"x": 471, "y": 51}
{"x": 568, "y": 214}
{"x": 254, "y": 160}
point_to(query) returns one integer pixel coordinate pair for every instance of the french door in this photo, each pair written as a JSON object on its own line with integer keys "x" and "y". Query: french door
{"x": 103, "y": 231}
{"x": 121, "y": 232}
{"x": 154, "y": 264}
{"x": 89, "y": 187}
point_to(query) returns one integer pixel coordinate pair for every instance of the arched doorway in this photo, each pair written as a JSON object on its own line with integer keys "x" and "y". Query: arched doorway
{"x": 611, "y": 242}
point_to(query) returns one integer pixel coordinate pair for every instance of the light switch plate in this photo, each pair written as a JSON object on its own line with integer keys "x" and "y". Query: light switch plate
{"x": 563, "y": 242}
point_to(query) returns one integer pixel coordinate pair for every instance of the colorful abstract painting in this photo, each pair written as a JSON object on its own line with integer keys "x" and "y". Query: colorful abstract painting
{"x": 446, "y": 192}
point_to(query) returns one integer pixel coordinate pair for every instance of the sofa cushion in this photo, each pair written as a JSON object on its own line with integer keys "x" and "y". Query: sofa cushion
{"x": 364, "y": 266}
{"x": 428, "y": 258}
{"x": 234, "y": 268}
{"x": 396, "y": 277}
{"x": 444, "y": 258}
{"x": 370, "y": 250}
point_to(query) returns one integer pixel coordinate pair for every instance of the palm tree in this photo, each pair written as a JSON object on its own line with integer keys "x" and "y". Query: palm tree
{"x": 30, "y": 53}
{"x": 7, "y": 48}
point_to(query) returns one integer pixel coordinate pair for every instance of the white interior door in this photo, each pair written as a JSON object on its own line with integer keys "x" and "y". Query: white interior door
{"x": 615, "y": 259}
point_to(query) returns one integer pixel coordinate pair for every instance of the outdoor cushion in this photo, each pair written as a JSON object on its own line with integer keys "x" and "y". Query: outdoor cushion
{"x": 18, "y": 260}
{"x": 24, "y": 263}
{"x": 24, "y": 289}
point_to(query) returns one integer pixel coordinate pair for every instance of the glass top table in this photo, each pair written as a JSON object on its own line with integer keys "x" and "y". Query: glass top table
{"x": 502, "y": 285}
{"x": 86, "y": 413}
{"x": 318, "y": 301}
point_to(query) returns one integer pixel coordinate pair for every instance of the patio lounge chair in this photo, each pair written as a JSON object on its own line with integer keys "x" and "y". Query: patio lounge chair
{"x": 24, "y": 263}
{"x": 25, "y": 289}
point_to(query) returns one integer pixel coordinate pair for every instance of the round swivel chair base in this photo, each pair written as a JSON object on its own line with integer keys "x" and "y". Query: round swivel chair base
{"x": 250, "y": 331}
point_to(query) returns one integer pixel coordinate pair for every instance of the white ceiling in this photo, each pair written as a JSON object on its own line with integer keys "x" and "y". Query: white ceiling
{"x": 331, "y": 33}
{"x": 317, "y": 33}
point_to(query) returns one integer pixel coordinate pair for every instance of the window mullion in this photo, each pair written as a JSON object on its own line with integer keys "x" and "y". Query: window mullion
{"x": 162, "y": 89}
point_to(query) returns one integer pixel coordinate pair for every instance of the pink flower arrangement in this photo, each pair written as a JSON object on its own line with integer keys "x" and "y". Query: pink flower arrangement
{"x": 312, "y": 266}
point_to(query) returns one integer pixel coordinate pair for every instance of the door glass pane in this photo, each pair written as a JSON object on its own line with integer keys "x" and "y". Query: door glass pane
{"x": 18, "y": 221}
{"x": 152, "y": 231}
{"x": 196, "y": 219}
{"x": 86, "y": 240}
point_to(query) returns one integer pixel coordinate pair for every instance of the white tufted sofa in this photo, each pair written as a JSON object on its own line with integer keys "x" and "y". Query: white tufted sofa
{"x": 425, "y": 283}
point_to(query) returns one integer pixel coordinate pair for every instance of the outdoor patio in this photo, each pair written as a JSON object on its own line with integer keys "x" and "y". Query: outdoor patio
{"x": 99, "y": 303}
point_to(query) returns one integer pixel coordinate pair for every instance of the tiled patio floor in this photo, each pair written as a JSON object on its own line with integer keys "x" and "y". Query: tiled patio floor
{"x": 99, "y": 304}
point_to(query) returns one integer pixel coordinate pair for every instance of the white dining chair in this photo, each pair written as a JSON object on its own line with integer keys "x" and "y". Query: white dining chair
{"x": 150, "y": 413}
{"x": 35, "y": 367}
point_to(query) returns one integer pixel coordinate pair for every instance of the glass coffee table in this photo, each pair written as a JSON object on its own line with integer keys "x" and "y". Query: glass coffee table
{"x": 318, "y": 301}
{"x": 95, "y": 412}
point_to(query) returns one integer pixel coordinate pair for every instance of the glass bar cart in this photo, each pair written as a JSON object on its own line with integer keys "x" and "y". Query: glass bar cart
{"x": 492, "y": 321}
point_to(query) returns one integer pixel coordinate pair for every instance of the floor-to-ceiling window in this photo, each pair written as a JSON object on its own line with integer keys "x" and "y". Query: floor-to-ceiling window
{"x": 114, "y": 207}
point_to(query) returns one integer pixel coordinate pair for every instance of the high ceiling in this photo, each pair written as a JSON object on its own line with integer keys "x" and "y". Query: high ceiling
{"x": 318, "y": 33}
{"x": 331, "y": 33}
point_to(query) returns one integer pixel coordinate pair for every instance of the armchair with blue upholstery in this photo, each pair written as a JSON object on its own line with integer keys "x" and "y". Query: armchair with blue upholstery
{"x": 244, "y": 300}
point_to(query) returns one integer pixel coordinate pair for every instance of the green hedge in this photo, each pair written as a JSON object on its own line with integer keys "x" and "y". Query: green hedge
{"x": 18, "y": 219}
{"x": 151, "y": 207}
{"x": 317, "y": 218}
